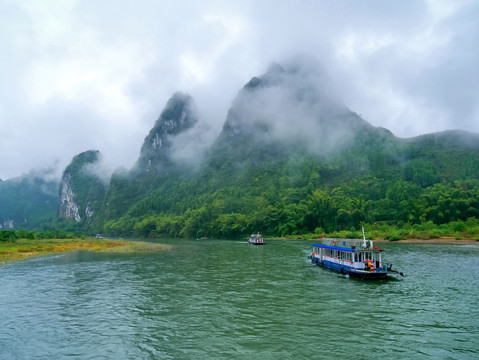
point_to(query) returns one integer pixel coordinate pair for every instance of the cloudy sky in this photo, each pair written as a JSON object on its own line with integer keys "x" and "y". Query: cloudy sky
{"x": 86, "y": 74}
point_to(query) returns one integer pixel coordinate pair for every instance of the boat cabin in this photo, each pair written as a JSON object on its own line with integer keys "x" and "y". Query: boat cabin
{"x": 350, "y": 256}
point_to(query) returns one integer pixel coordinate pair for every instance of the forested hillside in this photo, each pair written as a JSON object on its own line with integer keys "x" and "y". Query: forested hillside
{"x": 291, "y": 159}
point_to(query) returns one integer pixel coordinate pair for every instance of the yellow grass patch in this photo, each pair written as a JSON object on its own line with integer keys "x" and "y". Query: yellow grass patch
{"x": 24, "y": 248}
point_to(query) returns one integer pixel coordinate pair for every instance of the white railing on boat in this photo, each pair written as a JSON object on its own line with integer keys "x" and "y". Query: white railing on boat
{"x": 349, "y": 243}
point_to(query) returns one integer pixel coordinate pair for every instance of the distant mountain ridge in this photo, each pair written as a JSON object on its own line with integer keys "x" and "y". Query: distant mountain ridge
{"x": 28, "y": 201}
{"x": 291, "y": 157}
{"x": 461, "y": 138}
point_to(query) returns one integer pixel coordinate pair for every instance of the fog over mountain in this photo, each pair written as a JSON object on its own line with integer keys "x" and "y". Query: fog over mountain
{"x": 80, "y": 75}
{"x": 294, "y": 104}
{"x": 287, "y": 142}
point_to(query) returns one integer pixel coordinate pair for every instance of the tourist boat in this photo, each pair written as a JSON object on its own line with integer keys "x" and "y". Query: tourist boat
{"x": 256, "y": 239}
{"x": 358, "y": 258}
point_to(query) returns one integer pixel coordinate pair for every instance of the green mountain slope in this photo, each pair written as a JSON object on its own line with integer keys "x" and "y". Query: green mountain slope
{"x": 156, "y": 168}
{"x": 28, "y": 201}
{"x": 293, "y": 159}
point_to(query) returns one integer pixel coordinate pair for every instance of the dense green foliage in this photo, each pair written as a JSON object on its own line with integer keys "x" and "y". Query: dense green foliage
{"x": 13, "y": 235}
{"x": 411, "y": 186}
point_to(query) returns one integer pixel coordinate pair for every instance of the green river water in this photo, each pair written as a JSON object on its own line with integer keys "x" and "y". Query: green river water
{"x": 226, "y": 299}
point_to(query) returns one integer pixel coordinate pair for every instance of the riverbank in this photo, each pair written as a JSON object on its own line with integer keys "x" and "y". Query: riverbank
{"x": 25, "y": 248}
{"x": 444, "y": 241}
{"x": 436, "y": 241}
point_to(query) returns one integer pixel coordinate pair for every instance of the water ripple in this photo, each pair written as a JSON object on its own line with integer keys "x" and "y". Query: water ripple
{"x": 226, "y": 299}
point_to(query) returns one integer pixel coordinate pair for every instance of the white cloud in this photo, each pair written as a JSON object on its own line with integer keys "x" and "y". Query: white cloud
{"x": 198, "y": 64}
{"x": 87, "y": 74}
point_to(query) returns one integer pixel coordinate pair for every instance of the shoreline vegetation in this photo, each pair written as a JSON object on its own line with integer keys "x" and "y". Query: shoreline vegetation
{"x": 20, "y": 249}
{"x": 21, "y": 244}
{"x": 436, "y": 241}
{"x": 456, "y": 232}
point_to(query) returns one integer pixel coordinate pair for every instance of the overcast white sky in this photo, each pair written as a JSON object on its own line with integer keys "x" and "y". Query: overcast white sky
{"x": 87, "y": 74}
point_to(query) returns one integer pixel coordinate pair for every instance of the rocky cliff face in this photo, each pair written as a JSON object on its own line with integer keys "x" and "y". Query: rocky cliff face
{"x": 67, "y": 206}
{"x": 178, "y": 116}
{"x": 81, "y": 190}
{"x": 7, "y": 224}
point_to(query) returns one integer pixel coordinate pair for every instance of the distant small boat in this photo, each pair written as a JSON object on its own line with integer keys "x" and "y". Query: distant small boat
{"x": 256, "y": 239}
{"x": 355, "y": 257}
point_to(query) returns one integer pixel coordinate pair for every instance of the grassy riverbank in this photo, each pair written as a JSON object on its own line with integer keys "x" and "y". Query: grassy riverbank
{"x": 456, "y": 232}
{"x": 436, "y": 241}
{"x": 24, "y": 248}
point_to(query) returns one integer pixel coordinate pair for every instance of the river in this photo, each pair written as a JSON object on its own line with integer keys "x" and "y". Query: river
{"x": 224, "y": 299}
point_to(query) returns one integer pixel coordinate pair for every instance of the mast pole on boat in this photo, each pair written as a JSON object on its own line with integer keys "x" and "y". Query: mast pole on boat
{"x": 364, "y": 238}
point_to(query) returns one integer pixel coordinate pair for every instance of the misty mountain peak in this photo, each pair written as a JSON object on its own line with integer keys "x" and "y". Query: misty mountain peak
{"x": 274, "y": 74}
{"x": 274, "y": 68}
{"x": 270, "y": 78}
{"x": 179, "y": 115}
{"x": 294, "y": 103}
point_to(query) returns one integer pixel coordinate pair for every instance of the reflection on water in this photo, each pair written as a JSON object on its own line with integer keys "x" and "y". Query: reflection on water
{"x": 227, "y": 299}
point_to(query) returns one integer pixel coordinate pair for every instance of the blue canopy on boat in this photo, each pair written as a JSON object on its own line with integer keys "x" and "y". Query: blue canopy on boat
{"x": 334, "y": 247}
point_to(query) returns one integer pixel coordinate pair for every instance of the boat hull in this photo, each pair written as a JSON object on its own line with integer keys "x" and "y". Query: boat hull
{"x": 253, "y": 243}
{"x": 356, "y": 273}
{"x": 369, "y": 275}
